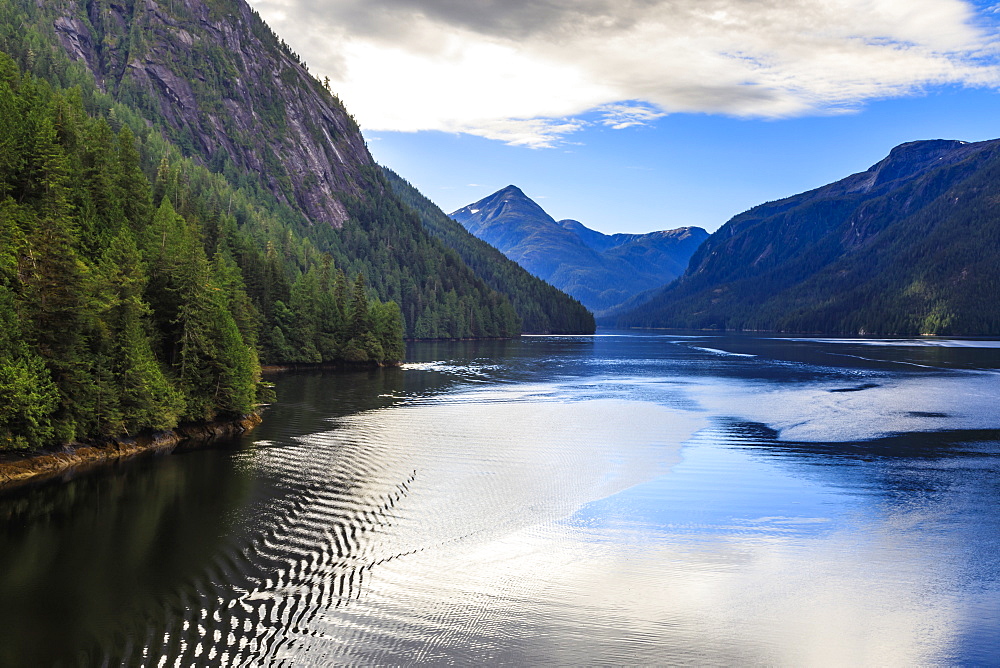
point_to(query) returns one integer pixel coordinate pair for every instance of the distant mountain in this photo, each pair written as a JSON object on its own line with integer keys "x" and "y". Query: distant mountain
{"x": 910, "y": 246}
{"x": 543, "y": 309}
{"x": 602, "y": 271}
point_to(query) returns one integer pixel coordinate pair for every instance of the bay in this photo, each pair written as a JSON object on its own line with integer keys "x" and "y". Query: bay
{"x": 626, "y": 498}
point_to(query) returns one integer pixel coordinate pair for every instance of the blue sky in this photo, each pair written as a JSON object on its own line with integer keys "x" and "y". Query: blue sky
{"x": 638, "y": 115}
{"x": 688, "y": 169}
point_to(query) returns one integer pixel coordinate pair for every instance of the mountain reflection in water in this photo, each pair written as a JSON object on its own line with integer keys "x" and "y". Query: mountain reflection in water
{"x": 623, "y": 499}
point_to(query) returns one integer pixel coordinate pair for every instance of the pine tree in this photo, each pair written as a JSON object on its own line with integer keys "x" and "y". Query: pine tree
{"x": 359, "y": 309}
{"x": 28, "y": 397}
{"x": 387, "y": 324}
{"x": 55, "y": 278}
{"x": 13, "y": 127}
{"x": 147, "y": 398}
{"x": 137, "y": 202}
{"x": 304, "y": 304}
{"x": 165, "y": 244}
{"x": 217, "y": 370}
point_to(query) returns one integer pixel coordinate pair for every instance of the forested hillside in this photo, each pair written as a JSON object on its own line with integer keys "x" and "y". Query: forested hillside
{"x": 213, "y": 79}
{"x": 543, "y": 309}
{"x": 129, "y": 305}
{"x": 145, "y": 276}
{"x": 910, "y": 246}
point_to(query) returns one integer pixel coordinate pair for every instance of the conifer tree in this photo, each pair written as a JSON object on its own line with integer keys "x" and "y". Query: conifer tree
{"x": 304, "y": 304}
{"x": 137, "y": 202}
{"x": 28, "y": 397}
{"x": 359, "y": 308}
{"x": 147, "y": 398}
{"x": 387, "y": 324}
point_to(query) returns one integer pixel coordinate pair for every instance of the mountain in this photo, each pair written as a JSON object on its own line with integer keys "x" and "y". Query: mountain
{"x": 602, "y": 271}
{"x": 910, "y": 246}
{"x": 180, "y": 201}
{"x": 223, "y": 86}
{"x": 139, "y": 290}
{"x": 543, "y": 309}
{"x": 208, "y": 78}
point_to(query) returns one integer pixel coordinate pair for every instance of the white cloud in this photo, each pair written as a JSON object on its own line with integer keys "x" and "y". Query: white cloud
{"x": 525, "y": 71}
{"x": 621, "y": 115}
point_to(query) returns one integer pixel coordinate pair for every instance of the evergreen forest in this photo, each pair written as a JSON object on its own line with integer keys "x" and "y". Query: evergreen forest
{"x": 242, "y": 140}
{"x": 156, "y": 251}
{"x": 129, "y": 302}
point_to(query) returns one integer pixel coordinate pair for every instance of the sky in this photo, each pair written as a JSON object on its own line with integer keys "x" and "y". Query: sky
{"x": 642, "y": 115}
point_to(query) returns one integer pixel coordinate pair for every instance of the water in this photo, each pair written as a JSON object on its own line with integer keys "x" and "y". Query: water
{"x": 618, "y": 499}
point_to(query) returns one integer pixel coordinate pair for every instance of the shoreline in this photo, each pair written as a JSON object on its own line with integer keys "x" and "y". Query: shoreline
{"x": 325, "y": 366}
{"x": 19, "y": 470}
{"x": 26, "y": 468}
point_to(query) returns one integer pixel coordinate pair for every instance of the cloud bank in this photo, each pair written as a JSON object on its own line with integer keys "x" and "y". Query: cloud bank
{"x": 530, "y": 72}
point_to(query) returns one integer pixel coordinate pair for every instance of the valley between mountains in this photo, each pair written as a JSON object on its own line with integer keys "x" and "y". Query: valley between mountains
{"x": 185, "y": 197}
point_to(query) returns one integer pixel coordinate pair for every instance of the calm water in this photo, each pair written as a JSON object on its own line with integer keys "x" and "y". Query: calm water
{"x": 618, "y": 499}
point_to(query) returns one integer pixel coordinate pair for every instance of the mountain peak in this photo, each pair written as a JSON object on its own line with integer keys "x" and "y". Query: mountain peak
{"x": 912, "y": 158}
{"x": 600, "y": 270}
{"x": 506, "y": 200}
{"x": 906, "y": 247}
{"x": 925, "y": 146}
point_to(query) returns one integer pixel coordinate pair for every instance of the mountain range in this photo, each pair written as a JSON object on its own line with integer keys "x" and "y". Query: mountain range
{"x": 264, "y": 161}
{"x": 181, "y": 201}
{"x": 602, "y": 271}
{"x": 909, "y": 246}
{"x": 209, "y": 79}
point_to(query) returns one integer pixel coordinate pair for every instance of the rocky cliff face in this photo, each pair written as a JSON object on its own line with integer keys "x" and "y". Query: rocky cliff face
{"x": 220, "y": 87}
{"x": 226, "y": 89}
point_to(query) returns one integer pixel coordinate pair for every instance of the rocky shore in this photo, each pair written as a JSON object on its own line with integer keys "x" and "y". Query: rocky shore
{"x": 17, "y": 469}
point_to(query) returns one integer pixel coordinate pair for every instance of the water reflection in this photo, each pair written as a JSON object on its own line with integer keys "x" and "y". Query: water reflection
{"x": 78, "y": 560}
{"x": 393, "y": 486}
{"x": 574, "y": 500}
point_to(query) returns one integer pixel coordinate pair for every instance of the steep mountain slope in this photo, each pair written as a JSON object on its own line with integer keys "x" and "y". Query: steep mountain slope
{"x": 602, "y": 271}
{"x": 543, "y": 309}
{"x": 213, "y": 79}
{"x": 223, "y": 86}
{"x": 130, "y": 303}
{"x": 910, "y": 246}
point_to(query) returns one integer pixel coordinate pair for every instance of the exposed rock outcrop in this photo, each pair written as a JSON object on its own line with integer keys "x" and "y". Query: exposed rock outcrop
{"x": 215, "y": 74}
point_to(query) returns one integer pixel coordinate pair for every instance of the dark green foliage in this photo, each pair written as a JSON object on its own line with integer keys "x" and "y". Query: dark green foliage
{"x": 146, "y": 398}
{"x": 909, "y": 247}
{"x": 28, "y": 397}
{"x": 115, "y": 317}
{"x": 268, "y": 195}
{"x": 542, "y": 308}
{"x": 97, "y": 157}
{"x": 438, "y": 294}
